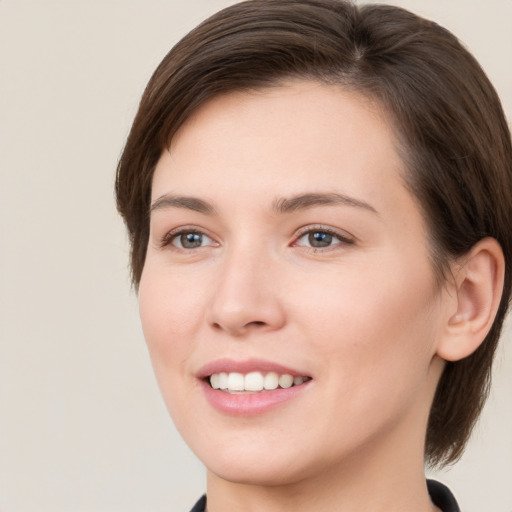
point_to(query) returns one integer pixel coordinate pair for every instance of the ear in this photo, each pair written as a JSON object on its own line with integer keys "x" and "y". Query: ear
{"x": 478, "y": 286}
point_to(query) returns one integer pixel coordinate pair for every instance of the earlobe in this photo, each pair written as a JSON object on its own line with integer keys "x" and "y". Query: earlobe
{"x": 478, "y": 284}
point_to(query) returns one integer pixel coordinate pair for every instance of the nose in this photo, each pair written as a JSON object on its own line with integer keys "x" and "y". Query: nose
{"x": 246, "y": 298}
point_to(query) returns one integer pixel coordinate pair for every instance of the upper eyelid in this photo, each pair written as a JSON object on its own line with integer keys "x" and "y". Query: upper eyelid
{"x": 177, "y": 242}
{"x": 342, "y": 243}
{"x": 168, "y": 237}
{"x": 342, "y": 234}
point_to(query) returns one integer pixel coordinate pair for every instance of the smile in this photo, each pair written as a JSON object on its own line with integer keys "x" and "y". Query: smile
{"x": 254, "y": 382}
{"x": 252, "y": 386}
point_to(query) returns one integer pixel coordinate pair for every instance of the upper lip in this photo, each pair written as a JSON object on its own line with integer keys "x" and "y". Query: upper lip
{"x": 245, "y": 366}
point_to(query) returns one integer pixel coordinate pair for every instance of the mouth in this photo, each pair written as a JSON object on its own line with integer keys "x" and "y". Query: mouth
{"x": 251, "y": 387}
{"x": 254, "y": 381}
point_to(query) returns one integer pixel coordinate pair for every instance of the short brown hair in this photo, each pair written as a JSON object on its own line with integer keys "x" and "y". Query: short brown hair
{"x": 448, "y": 118}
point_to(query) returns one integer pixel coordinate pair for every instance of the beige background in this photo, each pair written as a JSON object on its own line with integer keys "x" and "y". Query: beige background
{"x": 82, "y": 426}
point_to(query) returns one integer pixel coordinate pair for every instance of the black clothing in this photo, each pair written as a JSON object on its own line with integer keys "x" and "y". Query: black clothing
{"x": 200, "y": 505}
{"x": 439, "y": 494}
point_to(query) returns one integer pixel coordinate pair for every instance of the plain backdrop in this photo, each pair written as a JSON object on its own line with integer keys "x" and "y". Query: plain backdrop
{"x": 82, "y": 425}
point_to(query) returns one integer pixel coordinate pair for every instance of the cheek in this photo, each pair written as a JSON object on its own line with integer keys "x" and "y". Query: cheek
{"x": 170, "y": 313}
{"x": 374, "y": 322}
{"x": 375, "y": 338}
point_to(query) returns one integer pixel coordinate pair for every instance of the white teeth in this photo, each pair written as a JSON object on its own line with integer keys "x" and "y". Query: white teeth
{"x": 214, "y": 381}
{"x": 271, "y": 380}
{"x": 236, "y": 382}
{"x": 253, "y": 381}
{"x": 286, "y": 381}
{"x": 223, "y": 380}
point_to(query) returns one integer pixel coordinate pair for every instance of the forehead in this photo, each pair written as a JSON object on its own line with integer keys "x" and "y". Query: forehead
{"x": 299, "y": 128}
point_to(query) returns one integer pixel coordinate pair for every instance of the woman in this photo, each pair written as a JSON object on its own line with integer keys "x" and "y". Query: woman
{"x": 317, "y": 197}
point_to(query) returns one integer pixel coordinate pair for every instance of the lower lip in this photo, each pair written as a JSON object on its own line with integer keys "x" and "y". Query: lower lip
{"x": 251, "y": 404}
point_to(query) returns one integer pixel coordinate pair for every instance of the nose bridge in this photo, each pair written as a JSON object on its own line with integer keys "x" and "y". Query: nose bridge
{"x": 245, "y": 297}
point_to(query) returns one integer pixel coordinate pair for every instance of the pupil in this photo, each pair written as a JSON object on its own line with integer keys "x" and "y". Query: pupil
{"x": 191, "y": 240}
{"x": 319, "y": 239}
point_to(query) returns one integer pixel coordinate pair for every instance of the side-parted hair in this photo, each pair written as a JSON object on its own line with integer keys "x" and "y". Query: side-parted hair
{"x": 450, "y": 128}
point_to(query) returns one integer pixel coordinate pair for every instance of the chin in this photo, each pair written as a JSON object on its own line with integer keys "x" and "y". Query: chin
{"x": 258, "y": 473}
{"x": 250, "y": 461}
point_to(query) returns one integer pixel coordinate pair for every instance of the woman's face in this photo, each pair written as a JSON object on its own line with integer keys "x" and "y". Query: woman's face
{"x": 284, "y": 247}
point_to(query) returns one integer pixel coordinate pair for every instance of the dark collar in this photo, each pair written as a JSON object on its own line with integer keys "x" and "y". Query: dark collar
{"x": 200, "y": 505}
{"x": 440, "y": 495}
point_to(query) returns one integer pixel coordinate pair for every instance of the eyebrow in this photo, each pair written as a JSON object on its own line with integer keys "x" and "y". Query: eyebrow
{"x": 189, "y": 203}
{"x": 282, "y": 205}
{"x": 304, "y": 201}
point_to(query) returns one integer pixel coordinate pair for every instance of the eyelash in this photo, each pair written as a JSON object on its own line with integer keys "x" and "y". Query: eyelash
{"x": 309, "y": 230}
{"x": 173, "y": 235}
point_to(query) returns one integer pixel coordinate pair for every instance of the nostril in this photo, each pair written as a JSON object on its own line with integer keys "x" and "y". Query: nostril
{"x": 240, "y": 330}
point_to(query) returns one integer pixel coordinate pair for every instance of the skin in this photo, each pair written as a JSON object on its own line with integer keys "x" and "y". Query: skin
{"x": 362, "y": 316}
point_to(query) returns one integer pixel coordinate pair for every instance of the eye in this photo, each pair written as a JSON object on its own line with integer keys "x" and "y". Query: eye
{"x": 321, "y": 238}
{"x": 188, "y": 239}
